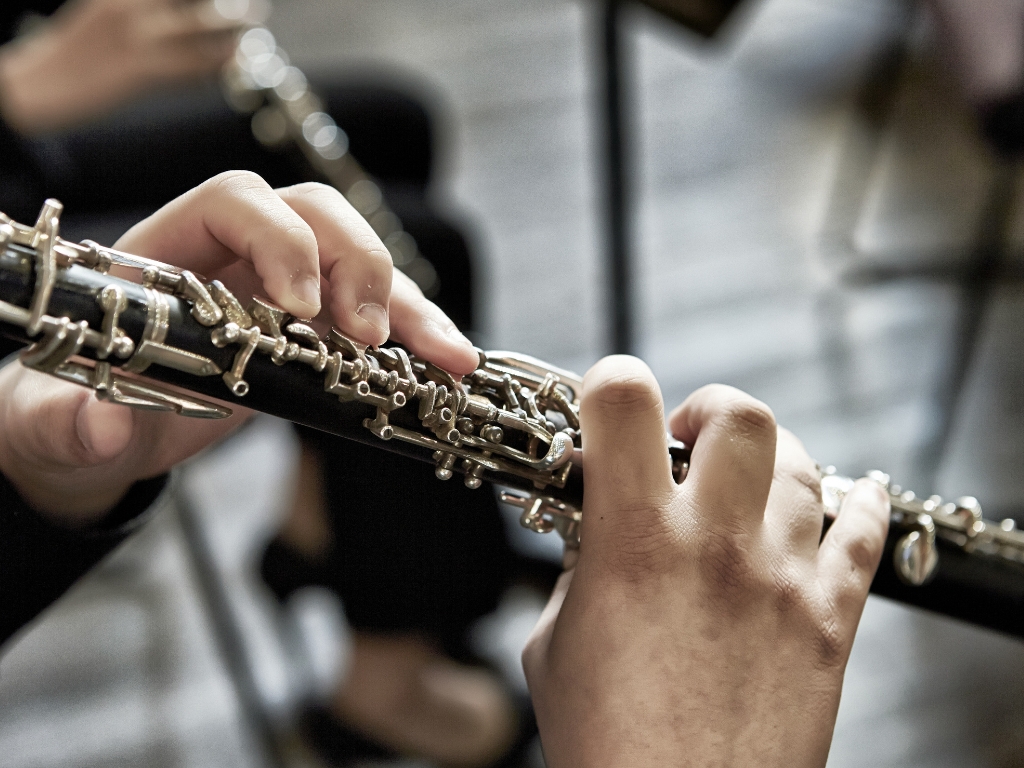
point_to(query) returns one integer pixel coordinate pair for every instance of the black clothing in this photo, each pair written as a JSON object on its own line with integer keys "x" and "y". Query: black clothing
{"x": 116, "y": 171}
{"x": 20, "y": 175}
{"x": 1002, "y": 124}
{"x": 40, "y": 560}
{"x": 12, "y": 14}
{"x": 411, "y": 553}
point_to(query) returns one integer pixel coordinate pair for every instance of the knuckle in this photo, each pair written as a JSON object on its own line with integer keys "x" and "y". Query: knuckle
{"x": 315, "y": 189}
{"x": 303, "y": 235}
{"x": 863, "y": 542}
{"x": 234, "y": 182}
{"x": 369, "y": 250}
{"x": 371, "y": 261}
{"x": 378, "y": 258}
{"x": 787, "y": 590}
{"x": 642, "y": 549}
{"x": 864, "y": 549}
{"x": 806, "y": 480}
{"x": 631, "y": 392}
{"x": 749, "y": 417}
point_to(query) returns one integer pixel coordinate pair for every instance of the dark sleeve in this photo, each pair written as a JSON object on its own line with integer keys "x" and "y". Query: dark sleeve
{"x": 39, "y": 561}
{"x": 8, "y": 347}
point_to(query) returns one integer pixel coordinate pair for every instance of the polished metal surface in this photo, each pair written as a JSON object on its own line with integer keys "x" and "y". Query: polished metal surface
{"x": 959, "y": 523}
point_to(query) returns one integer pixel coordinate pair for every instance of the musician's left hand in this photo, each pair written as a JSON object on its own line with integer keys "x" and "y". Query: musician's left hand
{"x": 92, "y": 56}
{"x": 72, "y": 456}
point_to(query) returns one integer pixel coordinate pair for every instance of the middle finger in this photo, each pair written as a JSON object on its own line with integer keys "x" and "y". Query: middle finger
{"x": 353, "y": 258}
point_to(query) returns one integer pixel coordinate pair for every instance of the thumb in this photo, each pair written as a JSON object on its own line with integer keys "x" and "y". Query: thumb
{"x": 625, "y": 450}
{"x": 50, "y": 425}
{"x": 105, "y": 429}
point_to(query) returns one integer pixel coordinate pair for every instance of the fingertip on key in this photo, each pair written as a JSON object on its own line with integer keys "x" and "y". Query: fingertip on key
{"x": 468, "y": 357}
{"x": 306, "y": 290}
{"x": 867, "y": 489}
{"x": 104, "y": 429}
{"x": 376, "y": 316}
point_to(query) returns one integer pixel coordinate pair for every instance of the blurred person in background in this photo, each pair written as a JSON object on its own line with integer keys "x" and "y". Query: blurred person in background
{"x": 984, "y": 40}
{"x": 95, "y": 112}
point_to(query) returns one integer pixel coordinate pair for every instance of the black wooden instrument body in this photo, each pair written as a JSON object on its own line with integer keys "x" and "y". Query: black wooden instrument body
{"x": 978, "y": 588}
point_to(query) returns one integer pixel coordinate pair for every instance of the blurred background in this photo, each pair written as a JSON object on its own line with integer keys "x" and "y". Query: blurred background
{"x": 811, "y": 214}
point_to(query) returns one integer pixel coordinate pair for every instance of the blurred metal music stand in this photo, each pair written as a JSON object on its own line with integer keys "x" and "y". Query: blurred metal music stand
{"x": 975, "y": 276}
{"x": 702, "y": 16}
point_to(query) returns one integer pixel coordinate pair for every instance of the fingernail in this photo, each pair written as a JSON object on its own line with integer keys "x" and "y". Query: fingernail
{"x": 82, "y": 428}
{"x": 869, "y": 485}
{"x": 376, "y": 316}
{"x": 459, "y": 337}
{"x": 307, "y": 290}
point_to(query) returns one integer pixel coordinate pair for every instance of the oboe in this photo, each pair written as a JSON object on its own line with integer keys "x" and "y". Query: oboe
{"x": 513, "y": 421}
{"x": 260, "y": 81}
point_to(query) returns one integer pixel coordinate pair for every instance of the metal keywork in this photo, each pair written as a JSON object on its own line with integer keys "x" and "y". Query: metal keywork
{"x": 925, "y": 522}
{"x": 470, "y": 423}
{"x": 512, "y": 416}
{"x": 62, "y": 339}
{"x": 915, "y": 556}
{"x": 543, "y": 514}
{"x": 44, "y": 237}
{"x": 138, "y": 394}
{"x": 113, "y": 302}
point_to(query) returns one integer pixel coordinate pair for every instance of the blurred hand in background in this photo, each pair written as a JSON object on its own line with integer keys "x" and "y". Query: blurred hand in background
{"x": 94, "y": 55}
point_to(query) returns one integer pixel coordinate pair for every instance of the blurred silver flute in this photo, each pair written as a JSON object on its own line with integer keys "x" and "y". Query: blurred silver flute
{"x": 260, "y": 81}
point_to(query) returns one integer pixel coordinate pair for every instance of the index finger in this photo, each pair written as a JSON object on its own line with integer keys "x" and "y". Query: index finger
{"x": 236, "y": 215}
{"x": 626, "y": 462}
{"x": 426, "y": 330}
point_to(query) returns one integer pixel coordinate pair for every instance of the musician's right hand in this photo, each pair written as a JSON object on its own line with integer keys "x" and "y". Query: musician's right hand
{"x": 72, "y": 457}
{"x": 93, "y": 55}
{"x": 703, "y": 623}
